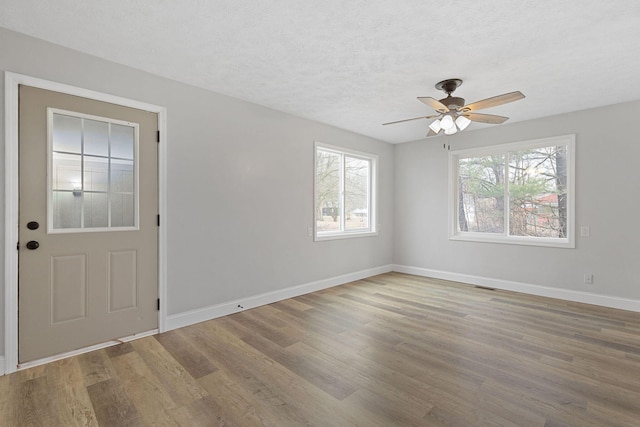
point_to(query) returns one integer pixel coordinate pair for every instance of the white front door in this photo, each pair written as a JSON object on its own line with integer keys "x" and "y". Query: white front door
{"x": 88, "y": 251}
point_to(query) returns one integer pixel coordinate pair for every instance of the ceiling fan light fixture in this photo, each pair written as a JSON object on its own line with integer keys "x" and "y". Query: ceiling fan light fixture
{"x": 462, "y": 122}
{"x": 447, "y": 123}
{"x": 452, "y": 130}
{"x": 435, "y": 126}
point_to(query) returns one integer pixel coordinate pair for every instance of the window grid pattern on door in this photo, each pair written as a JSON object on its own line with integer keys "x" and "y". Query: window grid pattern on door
{"x": 92, "y": 173}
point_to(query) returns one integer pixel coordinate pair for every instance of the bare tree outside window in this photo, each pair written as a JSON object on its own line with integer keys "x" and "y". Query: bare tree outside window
{"x": 328, "y": 183}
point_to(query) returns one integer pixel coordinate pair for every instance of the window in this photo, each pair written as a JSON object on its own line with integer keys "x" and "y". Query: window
{"x": 345, "y": 189}
{"x": 518, "y": 193}
{"x": 92, "y": 183}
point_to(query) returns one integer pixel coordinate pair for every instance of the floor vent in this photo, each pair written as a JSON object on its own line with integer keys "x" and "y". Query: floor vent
{"x": 484, "y": 288}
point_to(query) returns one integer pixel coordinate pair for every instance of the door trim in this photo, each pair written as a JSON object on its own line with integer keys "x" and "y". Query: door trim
{"x": 11, "y": 93}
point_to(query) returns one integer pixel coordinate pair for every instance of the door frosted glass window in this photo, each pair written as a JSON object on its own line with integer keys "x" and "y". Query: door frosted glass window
{"x": 93, "y": 173}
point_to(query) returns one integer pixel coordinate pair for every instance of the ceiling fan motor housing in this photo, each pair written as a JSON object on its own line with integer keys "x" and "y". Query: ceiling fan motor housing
{"x": 453, "y": 102}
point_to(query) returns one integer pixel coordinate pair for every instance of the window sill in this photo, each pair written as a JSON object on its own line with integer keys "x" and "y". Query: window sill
{"x": 567, "y": 243}
{"x": 344, "y": 235}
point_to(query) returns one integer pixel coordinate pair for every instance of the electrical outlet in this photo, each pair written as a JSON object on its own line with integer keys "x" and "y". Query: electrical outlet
{"x": 588, "y": 279}
{"x": 585, "y": 231}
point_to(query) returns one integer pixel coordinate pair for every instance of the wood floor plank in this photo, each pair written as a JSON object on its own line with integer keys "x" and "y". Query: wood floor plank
{"x": 176, "y": 380}
{"x": 196, "y": 363}
{"x": 112, "y": 405}
{"x": 305, "y": 331}
{"x": 204, "y": 412}
{"x": 599, "y": 369}
{"x": 255, "y": 324}
{"x": 73, "y": 406}
{"x": 96, "y": 367}
{"x": 390, "y": 350}
{"x": 365, "y": 373}
{"x": 120, "y": 349}
{"x": 250, "y": 405}
{"x": 145, "y": 391}
{"x": 324, "y": 377}
{"x": 36, "y": 407}
{"x": 316, "y": 318}
{"x": 255, "y": 371}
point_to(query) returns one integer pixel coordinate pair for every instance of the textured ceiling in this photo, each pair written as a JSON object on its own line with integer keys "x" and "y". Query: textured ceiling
{"x": 356, "y": 64}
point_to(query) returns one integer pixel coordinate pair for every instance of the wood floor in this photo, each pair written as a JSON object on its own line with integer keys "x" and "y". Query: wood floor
{"x": 392, "y": 350}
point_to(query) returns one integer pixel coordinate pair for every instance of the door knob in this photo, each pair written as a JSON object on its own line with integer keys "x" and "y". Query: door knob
{"x": 33, "y": 245}
{"x": 33, "y": 225}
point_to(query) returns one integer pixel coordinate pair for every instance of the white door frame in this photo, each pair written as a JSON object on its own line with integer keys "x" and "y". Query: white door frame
{"x": 11, "y": 199}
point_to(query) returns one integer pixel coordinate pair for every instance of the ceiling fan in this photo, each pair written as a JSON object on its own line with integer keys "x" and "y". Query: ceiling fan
{"x": 453, "y": 115}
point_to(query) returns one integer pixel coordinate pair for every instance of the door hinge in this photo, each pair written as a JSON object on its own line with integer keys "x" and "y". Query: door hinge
{"x": 18, "y": 246}
{"x": 158, "y": 136}
{"x": 158, "y": 304}
{"x": 158, "y": 220}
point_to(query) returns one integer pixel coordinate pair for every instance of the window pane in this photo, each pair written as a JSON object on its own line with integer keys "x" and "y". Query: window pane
{"x": 122, "y": 141}
{"x": 328, "y": 191}
{"x": 66, "y": 172}
{"x": 96, "y": 174}
{"x": 122, "y": 210}
{"x": 122, "y": 176}
{"x": 537, "y": 192}
{"x": 96, "y": 213}
{"x": 67, "y": 133}
{"x": 67, "y": 209}
{"x": 96, "y": 138}
{"x": 356, "y": 193}
{"x": 481, "y": 194}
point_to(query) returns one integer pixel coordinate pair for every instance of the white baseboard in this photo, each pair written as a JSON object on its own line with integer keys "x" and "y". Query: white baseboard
{"x": 207, "y": 313}
{"x": 527, "y": 288}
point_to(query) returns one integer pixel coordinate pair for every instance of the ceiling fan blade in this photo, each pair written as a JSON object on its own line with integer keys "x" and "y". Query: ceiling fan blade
{"x": 433, "y": 103}
{"x": 408, "y": 120}
{"x": 432, "y": 133}
{"x": 494, "y": 101}
{"x": 486, "y": 118}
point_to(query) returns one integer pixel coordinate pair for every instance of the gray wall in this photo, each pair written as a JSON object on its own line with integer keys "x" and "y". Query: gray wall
{"x": 607, "y": 200}
{"x": 240, "y": 183}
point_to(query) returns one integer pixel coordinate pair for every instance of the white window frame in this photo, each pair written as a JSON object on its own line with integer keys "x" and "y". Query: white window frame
{"x": 343, "y": 233}
{"x": 504, "y": 149}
